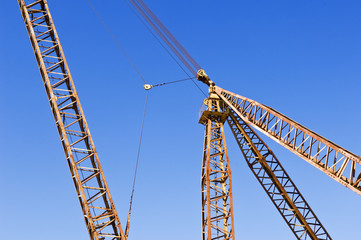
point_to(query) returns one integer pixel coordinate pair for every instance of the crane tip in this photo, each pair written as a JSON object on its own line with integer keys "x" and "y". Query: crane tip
{"x": 203, "y": 77}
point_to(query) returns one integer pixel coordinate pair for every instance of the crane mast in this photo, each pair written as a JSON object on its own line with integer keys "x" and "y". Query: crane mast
{"x": 216, "y": 175}
{"x": 241, "y": 113}
{"x": 217, "y": 199}
{"x": 98, "y": 209}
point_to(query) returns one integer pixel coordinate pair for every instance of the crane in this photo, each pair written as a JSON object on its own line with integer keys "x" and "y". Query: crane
{"x": 241, "y": 113}
{"x": 98, "y": 208}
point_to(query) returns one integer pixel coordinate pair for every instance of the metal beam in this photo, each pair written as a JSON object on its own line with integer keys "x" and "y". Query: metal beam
{"x": 275, "y": 181}
{"x": 91, "y": 187}
{"x": 217, "y": 202}
{"x": 335, "y": 161}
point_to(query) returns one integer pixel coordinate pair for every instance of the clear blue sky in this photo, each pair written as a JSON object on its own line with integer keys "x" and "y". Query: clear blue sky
{"x": 300, "y": 57}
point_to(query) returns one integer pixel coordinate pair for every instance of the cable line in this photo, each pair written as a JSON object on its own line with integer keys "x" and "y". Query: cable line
{"x": 161, "y": 43}
{"x": 163, "y": 37}
{"x": 115, "y": 39}
{"x": 149, "y": 86}
{"x": 182, "y": 80}
{"x": 155, "y": 36}
{"x": 169, "y": 34}
{"x": 136, "y": 167}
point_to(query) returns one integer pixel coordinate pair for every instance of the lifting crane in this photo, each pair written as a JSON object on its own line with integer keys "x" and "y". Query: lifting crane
{"x": 221, "y": 106}
{"x": 99, "y": 212}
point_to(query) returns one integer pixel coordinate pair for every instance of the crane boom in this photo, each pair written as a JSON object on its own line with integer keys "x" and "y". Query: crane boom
{"x": 276, "y": 182}
{"x": 92, "y": 190}
{"x": 217, "y": 204}
{"x": 241, "y": 113}
{"x": 337, "y": 162}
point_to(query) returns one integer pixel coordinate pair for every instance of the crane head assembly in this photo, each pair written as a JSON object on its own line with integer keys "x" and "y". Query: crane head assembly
{"x": 203, "y": 77}
{"x": 213, "y": 108}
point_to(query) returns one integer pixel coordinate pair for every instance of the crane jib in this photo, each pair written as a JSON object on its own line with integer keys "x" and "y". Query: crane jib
{"x": 241, "y": 113}
{"x": 335, "y": 161}
{"x": 99, "y": 212}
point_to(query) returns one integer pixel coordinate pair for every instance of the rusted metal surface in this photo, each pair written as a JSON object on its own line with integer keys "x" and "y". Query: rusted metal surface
{"x": 96, "y": 202}
{"x": 337, "y": 162}
{"x": 276, "y": 182}
{"x": 217, "y": 203}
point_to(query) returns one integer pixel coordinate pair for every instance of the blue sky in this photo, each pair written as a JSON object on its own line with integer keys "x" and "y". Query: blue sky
{"x": 301, "y": 58}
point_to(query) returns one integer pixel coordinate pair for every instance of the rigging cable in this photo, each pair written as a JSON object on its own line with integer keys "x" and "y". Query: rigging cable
{"x": 115, "y": 39}
{"x": 160, "y": 42}
{"x": 163, "y": 37}
{"x": 136, "y": 168}
{"x": 142, "y": 78}
{"x": 126, "y": 55}
{"x": 166, "y": 83}
{"x": 169, "y": 34}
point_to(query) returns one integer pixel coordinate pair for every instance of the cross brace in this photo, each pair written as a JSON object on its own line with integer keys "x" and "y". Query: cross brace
{"x": 91, "y": 187}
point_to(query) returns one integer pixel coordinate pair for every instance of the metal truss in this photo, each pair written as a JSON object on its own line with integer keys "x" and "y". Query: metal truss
{"x": 276, "y": 182}
{"x": 335, "y": 161}
{"x": 96, "y": 203}
{"x": 98, "y": 209}
{"x": 217, "y": 205}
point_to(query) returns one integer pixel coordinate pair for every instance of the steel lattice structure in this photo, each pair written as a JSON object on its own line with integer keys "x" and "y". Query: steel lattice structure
{"x": 335, "y": 161}
{"x": 241, "y": 113}
{"x": 92, "y": 190}
{"x": 276, "y": 182}
{"x": 217, "y": 202}
{"x": 265, "y": 166}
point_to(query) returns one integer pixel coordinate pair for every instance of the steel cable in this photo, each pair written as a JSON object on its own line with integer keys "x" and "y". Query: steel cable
{"x": 160, "y": 42}
{"x": 166, "y": 83}
{"x": 169, "y": 34}
{"x": 115, "y": 39}
{"x": 136, "y": 167}
{"x": 163, "y": 37}
{"x": 160, "y": 34}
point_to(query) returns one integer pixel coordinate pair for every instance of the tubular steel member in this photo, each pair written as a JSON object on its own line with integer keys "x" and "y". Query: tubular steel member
{"x": 335, "y": 161}
{"x": 276, "y": 182}
{"x": 217, "y": 203}
{"x": 92, "y": 190}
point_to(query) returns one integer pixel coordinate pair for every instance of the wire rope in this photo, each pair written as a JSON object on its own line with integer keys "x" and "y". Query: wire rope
{"x": 166, "y": 49}
{"x": 166, "y": 83}
{"x": 146, "y": 101}
{"x": 159, "y": 41}
{"x": 136, "y": 166}
{"x": 126, "y": 55}
{"x": 163, "y": 37}
{"x": 168, "y": 34}
{"x": 115, "y": 39}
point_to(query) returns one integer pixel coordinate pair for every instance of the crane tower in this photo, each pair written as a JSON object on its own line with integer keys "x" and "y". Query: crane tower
{"x": 243, "y": 115}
